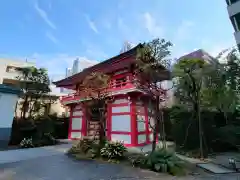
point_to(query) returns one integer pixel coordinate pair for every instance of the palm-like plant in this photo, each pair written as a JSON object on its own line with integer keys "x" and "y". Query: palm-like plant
{"x": 164, "y": 161}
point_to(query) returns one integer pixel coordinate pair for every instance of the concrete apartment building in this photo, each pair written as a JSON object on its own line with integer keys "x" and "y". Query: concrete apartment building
{"x": 234, "y": 14}
{"x": 10, "y": 70}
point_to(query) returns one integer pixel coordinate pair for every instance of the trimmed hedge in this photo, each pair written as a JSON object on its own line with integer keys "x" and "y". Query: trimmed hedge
{"x": 28, "y": 128}
{"x": 217, "y": 135}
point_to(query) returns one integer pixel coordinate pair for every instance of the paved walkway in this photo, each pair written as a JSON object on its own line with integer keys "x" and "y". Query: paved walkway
{"x": 16, "y": 155}
{"x": 50, "y": 163}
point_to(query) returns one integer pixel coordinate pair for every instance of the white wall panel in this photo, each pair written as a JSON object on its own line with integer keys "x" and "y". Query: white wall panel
{"x": 77, "y": 123}
{"x": 120, "y": 109}
{"x": 77, "y": 113}
{"x": 121, "y": 137}
{"x": 151, "y": 137}
{"x": 142, "y": 138}
{"x": 119, "y": 101}
{"x": 76, "y": 135}
{"x": 141, "y": 126}
{"x": 151, "y": 121}
{"x": 7, "y": 107}
{"x": 121, "y": 123}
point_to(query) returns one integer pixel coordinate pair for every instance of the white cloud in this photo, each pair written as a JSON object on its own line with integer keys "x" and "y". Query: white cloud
{"x": 43, "y": 14}
{"x": 152, "y": 26}
{"x": 57, "y": 63}
{"x": 52, "y": 38}
{"x": 91, "y": 24}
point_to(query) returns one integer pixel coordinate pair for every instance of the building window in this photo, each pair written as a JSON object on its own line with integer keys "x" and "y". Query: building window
{"x": 230, "y": 2}
{"x": 233, "y": 1}
{"x": 10, "y": 69}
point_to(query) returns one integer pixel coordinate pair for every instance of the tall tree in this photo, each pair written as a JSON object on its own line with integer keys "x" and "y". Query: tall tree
{"x": 222, "y": 85}
{"x": 35, "y": 83}
{"x": 190, "y": 78}
{"x": 233, "y": 70}
{"x": 95, "y": 87}
{"x": 152, "y": 66}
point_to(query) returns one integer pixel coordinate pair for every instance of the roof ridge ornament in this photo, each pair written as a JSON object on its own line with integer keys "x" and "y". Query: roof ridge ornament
{"x": 126, "y": 47}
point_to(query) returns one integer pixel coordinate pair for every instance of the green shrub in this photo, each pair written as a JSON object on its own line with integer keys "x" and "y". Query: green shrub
{"x": 26, "y": 143}
{"x": 228, "y": 137}
{"x": 138, "y": 159}
{"x": 113, "y": 150}
{"x": 85, "y": 146}
{"x": 164, "y": 161}
{"x": 36, "y": 128}
{"x": 45, "y": 140}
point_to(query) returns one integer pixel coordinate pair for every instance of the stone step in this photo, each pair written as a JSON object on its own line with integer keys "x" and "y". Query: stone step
{"x": 214, "y": 168}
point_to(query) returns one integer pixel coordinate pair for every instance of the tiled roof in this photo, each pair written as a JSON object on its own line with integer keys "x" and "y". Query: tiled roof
{"x": 200, "y": 54}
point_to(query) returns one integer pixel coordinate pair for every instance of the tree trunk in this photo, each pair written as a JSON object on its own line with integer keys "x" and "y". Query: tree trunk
{"x": 25, "y": 106}
{"x": 156, "y": 125}
{"x": 15, "y": 111}
{"x": 198, "y": 113}
{"x": 31, "y": 107}
{"x": 164, "y": 143}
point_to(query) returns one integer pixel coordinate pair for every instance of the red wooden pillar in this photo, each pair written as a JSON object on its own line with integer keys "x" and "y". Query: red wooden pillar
{"x": 109, "y": 122}
{"x": 134, "y": 135}
{"x": 70, "y": 122}
{"x": 84, "y": 121}
{"x": 147, "y": 124}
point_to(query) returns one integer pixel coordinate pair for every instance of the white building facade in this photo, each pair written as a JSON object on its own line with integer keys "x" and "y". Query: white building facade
{"x": 9, "y": 70}
{"x": 8, "y": 99}
{"x": 234, "y": 14}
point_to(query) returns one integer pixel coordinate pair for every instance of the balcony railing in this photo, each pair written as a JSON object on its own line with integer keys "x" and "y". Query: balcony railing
{"x": 114, "y": 86}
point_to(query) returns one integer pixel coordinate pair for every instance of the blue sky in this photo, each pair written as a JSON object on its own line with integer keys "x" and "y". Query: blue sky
{"x": 53, "y": 33}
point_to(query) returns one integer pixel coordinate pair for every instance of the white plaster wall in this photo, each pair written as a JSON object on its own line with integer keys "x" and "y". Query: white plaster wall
{"x": 77, "y": 113}
{"x": 121, "y": 137}
{"x": 121, "y": 123}
{"x": 141, "y": 123}
{"x": 141, "y": 126}
{"x": 119, "y": 101}
{"x": 151, "y": 122}
{"x": 151, "y": 137}
{"x": 142, "y": 138}
{"x": 76, "y": 123}
{"x": 7, "y": 108}
{"x": 76, "y": 135}
{"x": 120, "y": 109}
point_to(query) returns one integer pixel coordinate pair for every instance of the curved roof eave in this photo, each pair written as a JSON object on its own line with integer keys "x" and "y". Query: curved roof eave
{"x": 98, "y": 66}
